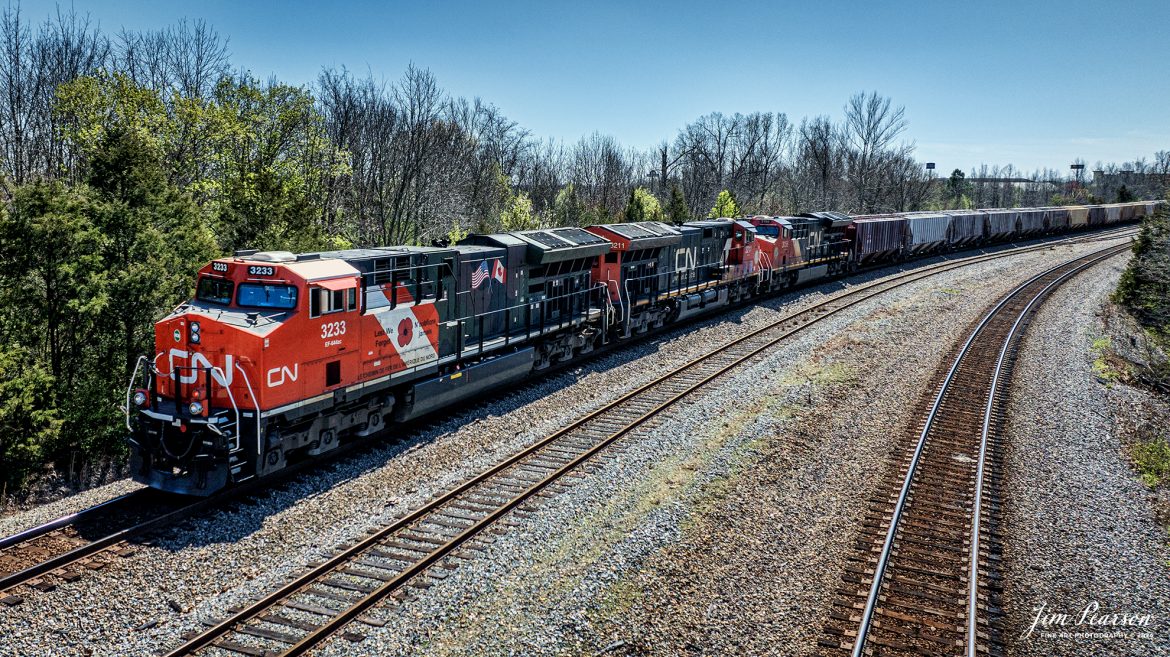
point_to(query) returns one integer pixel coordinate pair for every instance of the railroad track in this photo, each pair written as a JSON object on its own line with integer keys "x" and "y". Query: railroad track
{"x": 923, "y": 580}
{"x": 419, "y": 548}
{"x": 64, "y": 549}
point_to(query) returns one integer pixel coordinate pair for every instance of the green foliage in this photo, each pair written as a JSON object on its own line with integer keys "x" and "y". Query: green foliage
{"x": 84, "y": 271}
{"x": 1143, "y": 284}
{"x": 159, "y": 184}
{"x": 269, "y": 157}
{"x": 568, "y": 208}
{"x": 677, "y": 211}
{"x": 725, "y": 206}
{"x": 53, "y": 283}
{"x": 92, "y": 107}
{"x": 1124, "y": 195}
{"x": 517, "y": 214}
{"x": 457, "y": 234}
{"x": 29, "y": 422}
{"x": 1151, "y": 458}
{"x": 254, "y": 157}
{"x": 643, "y": 206}
{"x": 52, "y": 276}
{"x": 958, "y": 189}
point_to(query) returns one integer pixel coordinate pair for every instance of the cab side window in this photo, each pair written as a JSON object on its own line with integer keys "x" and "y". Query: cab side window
{"x": 325, "y": 302}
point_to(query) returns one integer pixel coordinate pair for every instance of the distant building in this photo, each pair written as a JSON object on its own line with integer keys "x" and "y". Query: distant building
{"x": 1000, "y": 180}
{"x": 1017, "y": 183}
{"x": 1131, "y": 179}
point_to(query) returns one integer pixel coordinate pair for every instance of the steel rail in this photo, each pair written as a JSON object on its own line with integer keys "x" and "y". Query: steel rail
{"x": 887, "y": 545}
{"x": 66, "y": 520}
{"x": 12, "y": 580}
{"x": 343, "y": 617}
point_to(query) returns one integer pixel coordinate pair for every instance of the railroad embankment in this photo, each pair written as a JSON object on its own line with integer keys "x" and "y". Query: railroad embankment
{"x": 1085, "y": 554}
{"x": 1133, "y": 354}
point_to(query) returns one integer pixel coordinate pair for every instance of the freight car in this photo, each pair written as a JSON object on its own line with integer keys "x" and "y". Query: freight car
{"x": 927, "y": 232}
{"x": 878, "y": 237}
{"x": 281, "y": 356}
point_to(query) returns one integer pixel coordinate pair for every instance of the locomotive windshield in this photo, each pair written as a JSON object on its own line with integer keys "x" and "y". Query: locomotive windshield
{"x": 259, "y": 295}
{"x": 767, "y": 230}
{"x": 214, "y": 290}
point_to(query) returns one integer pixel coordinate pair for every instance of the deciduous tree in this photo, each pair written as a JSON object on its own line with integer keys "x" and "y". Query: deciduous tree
{"x": 725, "y": 206}
{"x": 643, "y": 206}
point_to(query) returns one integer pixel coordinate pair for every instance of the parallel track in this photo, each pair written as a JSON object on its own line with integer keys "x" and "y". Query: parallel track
{"x": 924, "y": 580}
{"x": 418, "y": 548}
{"x": 65, "y": 548}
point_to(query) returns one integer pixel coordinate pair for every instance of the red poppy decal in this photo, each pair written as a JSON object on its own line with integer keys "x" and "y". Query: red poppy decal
{"x": 405, "y": 331}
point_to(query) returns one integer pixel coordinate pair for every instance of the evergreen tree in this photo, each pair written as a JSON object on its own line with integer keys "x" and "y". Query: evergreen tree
{"x": 154, "y": 239}
{"x": 677, "y": 211}
{"x": 53, "y": 295}
{"x": 29, "y": 421}
{"x": 1124, "y": 195}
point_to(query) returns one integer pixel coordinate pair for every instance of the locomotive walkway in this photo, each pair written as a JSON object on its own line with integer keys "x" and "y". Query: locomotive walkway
{"x": 924, "y": 577}
{"x": 419, "y": 548}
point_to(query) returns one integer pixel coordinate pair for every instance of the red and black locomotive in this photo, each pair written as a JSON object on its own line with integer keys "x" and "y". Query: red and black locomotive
{"x": 283, "y": 356}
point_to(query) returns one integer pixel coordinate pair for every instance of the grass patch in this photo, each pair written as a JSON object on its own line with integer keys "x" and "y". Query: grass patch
{"x": 1106, "y": 364}
{"x": 1151, "y": 459}
{"x": 619, "y": 598}
{"x": 814, "y": 374}
{"x": 950, "y": 290}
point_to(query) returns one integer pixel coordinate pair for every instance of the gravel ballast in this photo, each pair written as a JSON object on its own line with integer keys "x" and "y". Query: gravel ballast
{"x": 1081, "y": 537}
{"x": 594, "y": 568}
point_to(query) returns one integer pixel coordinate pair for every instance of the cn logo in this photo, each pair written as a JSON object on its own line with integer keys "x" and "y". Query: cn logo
{"x": 684, "y": 259}
{"x": 197, "y": 360}
{"x": 278, "y": 375}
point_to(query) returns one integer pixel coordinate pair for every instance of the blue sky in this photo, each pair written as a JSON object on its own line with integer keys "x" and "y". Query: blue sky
{"x": 1035, "y": 84}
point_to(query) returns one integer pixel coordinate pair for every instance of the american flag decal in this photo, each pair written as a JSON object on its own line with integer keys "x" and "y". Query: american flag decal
{"x": 480, "y": 275}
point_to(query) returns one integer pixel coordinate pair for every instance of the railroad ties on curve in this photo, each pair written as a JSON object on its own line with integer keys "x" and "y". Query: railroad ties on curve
{"x": 420, "y": 547}
{"x": 924, "y": 577}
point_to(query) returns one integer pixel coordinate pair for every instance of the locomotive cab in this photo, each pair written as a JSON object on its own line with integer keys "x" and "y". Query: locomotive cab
{"x": 194, "y": 409}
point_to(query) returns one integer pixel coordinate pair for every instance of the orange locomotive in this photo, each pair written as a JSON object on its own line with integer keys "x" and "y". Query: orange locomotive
{"x": 280, "y": 357}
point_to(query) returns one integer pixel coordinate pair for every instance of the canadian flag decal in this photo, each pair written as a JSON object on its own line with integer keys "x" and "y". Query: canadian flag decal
{"x": 498, "y": 272}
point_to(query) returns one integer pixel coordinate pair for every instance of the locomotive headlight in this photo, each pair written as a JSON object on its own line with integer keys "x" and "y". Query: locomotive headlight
{"x": 196, "y": 408}
{"x": 194, "y": 327}
{"x": 194, "y": 338}
{"x": 139, "y": 398}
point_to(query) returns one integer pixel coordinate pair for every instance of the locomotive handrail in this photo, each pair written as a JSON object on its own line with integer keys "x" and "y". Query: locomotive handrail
{"x": 255, "y": 402}
{"x": 130, "y": 389}
{"x": 231, "y": 398}
{"x": 618, "y": 292}
{"x": 629, "y": 306}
